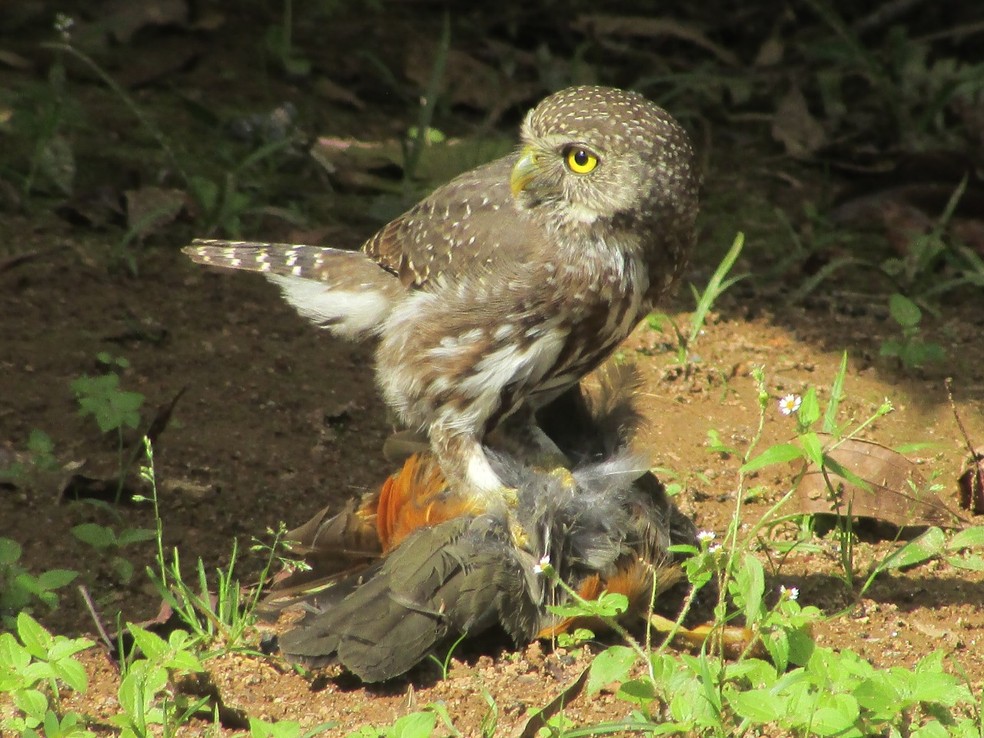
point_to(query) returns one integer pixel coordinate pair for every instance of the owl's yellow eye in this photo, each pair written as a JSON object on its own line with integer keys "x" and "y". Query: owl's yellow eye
{"x": 580, "y": 160}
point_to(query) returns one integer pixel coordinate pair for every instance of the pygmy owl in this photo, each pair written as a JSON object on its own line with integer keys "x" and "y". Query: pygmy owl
{"x": 509, "y": 283}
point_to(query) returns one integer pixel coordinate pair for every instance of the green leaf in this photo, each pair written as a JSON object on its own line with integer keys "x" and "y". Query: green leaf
{"x": 919, "y": 549}
{"x": 32, "y": 703}
{"x": 123, "y": 568}
{"x": 185, "y": 660}
{"x": 972, "y": 563}
{"x": 777, "y": 644}
{"x": 10, "y": 551}
{"x": 38, "y": 671}
{"x": 55, "y": 578}
{"x": 35, "y": 638}
{"x": 72, "y": 673}
{"x": 282, "y": 729}
{"x": 809, "y": 410}
{"x": 801, "y": 646}
{"x": 414, "y": 725}
{"x": 836, "y": 394}
{"x": 968, "y": 538}
{"x": 879, "y": 694}
{"x": 40, "y": 443}
{"x": 813, "y": 448}
{"x": 891, "y": 347}
{"x": 135, "y": 535}
{"x": 97, "y": 536}
{"x": 611, "y": 665}
{"x": 750, "y": 584}
{"x": 778, "y": 454}
{"x": 205, "y": 192}
{"x": 837, "y": 717}
{"x": 932, "y": 684}
{"x": 13, "y": 656}
{"x": 150, "y": 644}
{"x": 640, "y": 691}
{"x": 904, "y": 311}
{"x": 64, "y": 648}
{"x": 932, "y": 729}
{"x": 760, "y": 706}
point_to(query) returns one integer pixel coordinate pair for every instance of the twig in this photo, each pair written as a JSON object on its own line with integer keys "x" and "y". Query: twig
{"x": 885, "y": 14}
{"x": 22, "y": 258}
{"x": 87, "y": 598}
{"x": 975, "y": 458}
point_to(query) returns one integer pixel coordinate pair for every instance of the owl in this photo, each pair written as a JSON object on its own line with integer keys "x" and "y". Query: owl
{"x": 508, "y": 284}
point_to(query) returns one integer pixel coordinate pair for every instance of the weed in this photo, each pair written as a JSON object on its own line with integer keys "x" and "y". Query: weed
{"x": 284, "y": 729}
{"x": 112, "y": 407}
{"x": 717, "y": 285}
{"x": 224, "y": 616}
{"x": 414, "y": 145}
{"x": 911, "y": 350}
{"x": 907, "y": 89}
{"x": 278, "y": 41}
{"x": 106, "y": 541}
{"x": 33, "y": 666}
{"x": 41, "y": 114}
{"x": 445, "y": 664}
{"x": 222, "y": 200}
{"x": 19, "y": 588}
{"x": 415, "y": 725}
{"x": 782, "y": 681}
{"x": 144, "y": 695}
{"x": 42, "y": 458}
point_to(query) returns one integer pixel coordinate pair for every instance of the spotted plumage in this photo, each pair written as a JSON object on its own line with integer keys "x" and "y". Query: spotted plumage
{"x": 509, "y": 283}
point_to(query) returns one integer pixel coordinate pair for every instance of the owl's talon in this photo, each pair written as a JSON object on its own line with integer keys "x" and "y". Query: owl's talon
{"x": 565, "y": 476}
{"x": 518, "y": 534}
{"x": 510, "y": 495}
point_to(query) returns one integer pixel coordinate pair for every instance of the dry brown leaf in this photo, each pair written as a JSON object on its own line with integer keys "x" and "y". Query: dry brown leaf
{"x": 795, "y": 127}
{"x": 149, "y": 209}
{"x": 898, "y": 493}
{"x": 645, "y": 27}
{"x": 971, "y": 484}
{"x": 124, "y": 18}
{"x": 334, "y": 92}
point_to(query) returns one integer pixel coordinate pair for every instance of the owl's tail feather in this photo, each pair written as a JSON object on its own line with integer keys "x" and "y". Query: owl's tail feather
{"x": 343, "y": 291}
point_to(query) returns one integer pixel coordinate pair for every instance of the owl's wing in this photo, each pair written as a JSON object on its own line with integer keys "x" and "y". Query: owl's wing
{"x": 459, "y": 230}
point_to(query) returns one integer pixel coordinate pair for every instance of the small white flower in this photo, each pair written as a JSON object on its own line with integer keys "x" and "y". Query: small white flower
{"x": 714, "y": 548}
{"x": 790, "y": 404}
{"x": 63, "y": 25}
{"x": 790, "y": 593}
{"x": 542, "y": 565}
{"x": 706, "y": 535}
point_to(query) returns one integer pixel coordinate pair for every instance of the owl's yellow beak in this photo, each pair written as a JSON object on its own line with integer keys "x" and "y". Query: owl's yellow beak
{"x": 524, "y": 170}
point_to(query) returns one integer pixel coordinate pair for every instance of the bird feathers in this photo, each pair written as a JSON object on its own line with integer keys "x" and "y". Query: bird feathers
{"x": 460, "y": 569}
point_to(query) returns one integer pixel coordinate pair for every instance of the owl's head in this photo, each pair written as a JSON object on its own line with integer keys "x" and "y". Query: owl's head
{"x": 596, "y": 153}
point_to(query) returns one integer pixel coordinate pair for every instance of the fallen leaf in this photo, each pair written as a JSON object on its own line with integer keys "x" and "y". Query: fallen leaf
{"x": 795, "y": 127}
{"x": 971, "y": 484}
{"x": 122, "y": 19}
{"x": 150, "y": 209}
{"x": 647, "y": 27}
{"x": 898, "y": 493}
{"x": 334, "y": 92}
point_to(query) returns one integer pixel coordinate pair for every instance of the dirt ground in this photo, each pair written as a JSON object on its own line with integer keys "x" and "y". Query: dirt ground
{"x": 278, "y": 420}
